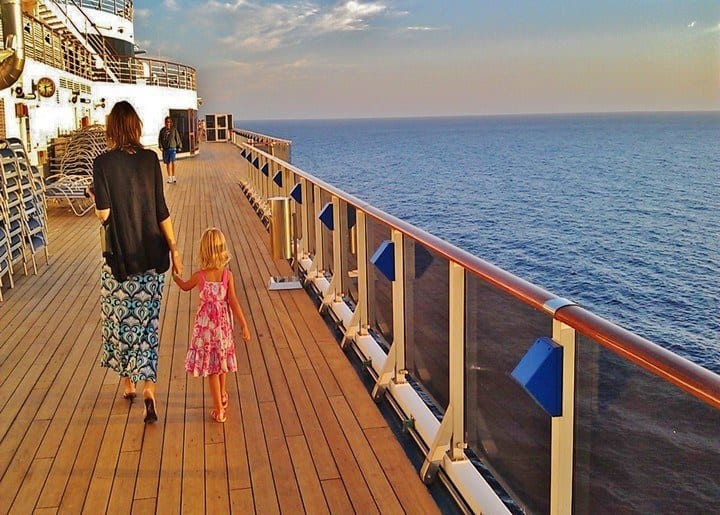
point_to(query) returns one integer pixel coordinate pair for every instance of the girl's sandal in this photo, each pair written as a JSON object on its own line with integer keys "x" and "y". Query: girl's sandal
{"x": 225, "y": 401}
{"x": 218, "y": 415}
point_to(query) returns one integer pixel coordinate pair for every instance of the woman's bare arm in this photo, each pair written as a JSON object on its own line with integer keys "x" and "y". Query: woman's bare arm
{"x": 167, "y": 230}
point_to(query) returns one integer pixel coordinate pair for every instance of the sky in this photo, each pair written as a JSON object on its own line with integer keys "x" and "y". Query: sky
{"x": 297, "y": 59}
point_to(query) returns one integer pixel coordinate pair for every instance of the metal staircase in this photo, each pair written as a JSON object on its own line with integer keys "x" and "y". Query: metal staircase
{"x": 108, "y": 66}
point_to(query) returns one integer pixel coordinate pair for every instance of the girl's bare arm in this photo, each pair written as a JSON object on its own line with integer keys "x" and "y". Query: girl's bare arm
{"x": 189, "y": 284}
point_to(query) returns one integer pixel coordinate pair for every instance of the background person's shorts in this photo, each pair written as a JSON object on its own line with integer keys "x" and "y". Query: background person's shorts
{"x": 169, "y": 155}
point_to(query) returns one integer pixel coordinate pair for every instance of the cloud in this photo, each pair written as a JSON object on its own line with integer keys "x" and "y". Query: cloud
{"x": 421, "y": 29}
{"x": 350, "y": 16}
{"x": 141, "y": 13}
{"x": 171, "y": 4}
{"x": 256, "y": 26}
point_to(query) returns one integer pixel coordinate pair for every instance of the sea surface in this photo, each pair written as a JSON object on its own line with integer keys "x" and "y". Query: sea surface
{"x": 617, "y": 212}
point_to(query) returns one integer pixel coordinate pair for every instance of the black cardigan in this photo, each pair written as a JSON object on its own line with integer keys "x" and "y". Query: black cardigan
{"x": 131, "y": 186}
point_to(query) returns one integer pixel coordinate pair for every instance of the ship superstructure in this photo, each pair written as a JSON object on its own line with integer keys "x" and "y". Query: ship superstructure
{"x": 66, "y": 63}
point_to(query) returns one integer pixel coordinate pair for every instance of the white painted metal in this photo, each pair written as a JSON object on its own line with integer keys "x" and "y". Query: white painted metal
{"x": 562, "y": 428}
{"x": 398, "y": 302}
{"x": 457, "y": 360}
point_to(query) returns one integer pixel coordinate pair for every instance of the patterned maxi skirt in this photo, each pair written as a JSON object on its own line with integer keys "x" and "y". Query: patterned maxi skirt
{"x": 130, "y": 311}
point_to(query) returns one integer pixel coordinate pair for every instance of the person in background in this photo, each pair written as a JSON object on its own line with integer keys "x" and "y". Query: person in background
{"x": 170, "y": 143}
{"x": 130, "y": 202}
{"x": 212, "y": 349}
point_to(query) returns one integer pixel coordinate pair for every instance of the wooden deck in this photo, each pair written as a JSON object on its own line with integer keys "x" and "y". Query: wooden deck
{"x": 302, "y": 435}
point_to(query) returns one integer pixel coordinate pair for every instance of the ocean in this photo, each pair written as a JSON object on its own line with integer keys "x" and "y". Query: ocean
{"x": 617, "y": 212}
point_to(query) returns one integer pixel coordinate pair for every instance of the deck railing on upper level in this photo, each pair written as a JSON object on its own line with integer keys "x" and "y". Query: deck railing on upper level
{"x": 122, "y": 8}
{"x": 637, "y": 429}
{"x": 42, "y": 44}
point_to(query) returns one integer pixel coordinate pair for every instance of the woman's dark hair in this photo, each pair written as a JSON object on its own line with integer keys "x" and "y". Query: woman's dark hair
{"x": 124, "y": 127}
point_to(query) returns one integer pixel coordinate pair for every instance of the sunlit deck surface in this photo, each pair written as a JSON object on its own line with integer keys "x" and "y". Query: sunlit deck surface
{"x": 302, "y": 435}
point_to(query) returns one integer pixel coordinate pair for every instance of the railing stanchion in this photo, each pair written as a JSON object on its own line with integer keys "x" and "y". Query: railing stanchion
{"x": 335, "y": 288}
{"x": 450, "y": 437}
{"x": 306, "y": 208}
{"x": 457, "y": 359}
{"x": 394, "y": 367}
{"x": 563, "y": 428}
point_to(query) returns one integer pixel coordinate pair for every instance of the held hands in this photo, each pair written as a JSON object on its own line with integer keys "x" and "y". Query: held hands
{"x": 177, "y": 266}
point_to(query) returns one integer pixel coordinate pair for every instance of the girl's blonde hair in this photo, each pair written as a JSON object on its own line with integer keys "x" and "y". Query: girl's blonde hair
{"x": 213, "y": 249}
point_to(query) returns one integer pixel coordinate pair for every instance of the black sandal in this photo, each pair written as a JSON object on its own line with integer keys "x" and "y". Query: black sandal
{"x": 150, "y": 414}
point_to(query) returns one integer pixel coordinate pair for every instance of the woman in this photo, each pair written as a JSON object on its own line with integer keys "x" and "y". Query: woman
{"x": 129, "y": 200}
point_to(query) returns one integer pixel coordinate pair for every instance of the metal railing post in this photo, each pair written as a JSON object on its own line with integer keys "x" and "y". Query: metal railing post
{"x": 457, "y": 359}
{"x": 562, "y": 428}
{"x": 362, "y": 264}
{"x": 306, "y": 213}
{"x": 394, "y": 367}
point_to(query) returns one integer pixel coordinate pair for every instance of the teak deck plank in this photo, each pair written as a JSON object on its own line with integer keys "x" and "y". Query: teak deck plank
{"x": 302, "y": 435}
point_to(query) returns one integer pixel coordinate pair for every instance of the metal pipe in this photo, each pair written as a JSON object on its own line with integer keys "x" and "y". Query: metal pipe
{"x": 12, "y": 57}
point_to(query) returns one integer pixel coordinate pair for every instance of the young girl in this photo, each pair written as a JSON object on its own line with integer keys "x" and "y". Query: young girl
{"x": 212, "y": 352}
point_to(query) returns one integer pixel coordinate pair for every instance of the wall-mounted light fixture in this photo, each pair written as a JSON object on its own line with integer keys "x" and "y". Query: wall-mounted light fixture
{"x": 74, "y": 97}
{"x": 20, "y": 93}
{"x": 100, "y": 104}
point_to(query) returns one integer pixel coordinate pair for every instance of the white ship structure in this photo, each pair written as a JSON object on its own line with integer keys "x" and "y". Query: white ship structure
{"x": 66, "y": 62}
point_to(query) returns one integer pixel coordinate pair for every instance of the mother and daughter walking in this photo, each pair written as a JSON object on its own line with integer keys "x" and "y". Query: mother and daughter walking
{"x": 141, "y": 246}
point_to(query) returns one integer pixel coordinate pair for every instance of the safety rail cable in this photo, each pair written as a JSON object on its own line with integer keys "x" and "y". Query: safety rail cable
{"x": 683, "y": 373}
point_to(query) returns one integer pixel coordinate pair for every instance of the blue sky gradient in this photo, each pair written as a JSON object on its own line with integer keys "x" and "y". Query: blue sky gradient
{"x": 292, "y": 59}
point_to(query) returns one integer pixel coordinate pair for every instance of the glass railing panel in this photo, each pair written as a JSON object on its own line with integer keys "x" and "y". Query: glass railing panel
{"x": 327, "y": 237}
{"x": 641, "y": 444}
{"x": 351, "y": 254}
{"x": 380, "y": 310}
{"x": 426, "y": 320}
{"x": 308, "y": 198}
{"x": 298, "y": 211}
{"x": 504, "y": 425}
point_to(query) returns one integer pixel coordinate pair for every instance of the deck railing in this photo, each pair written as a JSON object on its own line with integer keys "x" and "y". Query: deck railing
{"x": 44, "y": 45}
{"x": 638, "y": 428}
{"x": 122, "y": 8}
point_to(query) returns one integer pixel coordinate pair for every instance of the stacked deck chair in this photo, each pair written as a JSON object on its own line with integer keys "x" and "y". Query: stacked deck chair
{"x": 33, "y": 205}
{"x": 69, "y": 185}
{"x": 12, "y": 208}
{"x": 5, "y": 259}
{"x": 23, "y": 219}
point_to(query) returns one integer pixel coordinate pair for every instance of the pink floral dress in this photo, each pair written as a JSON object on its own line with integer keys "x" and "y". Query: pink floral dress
{"x": 212, "y": 350}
